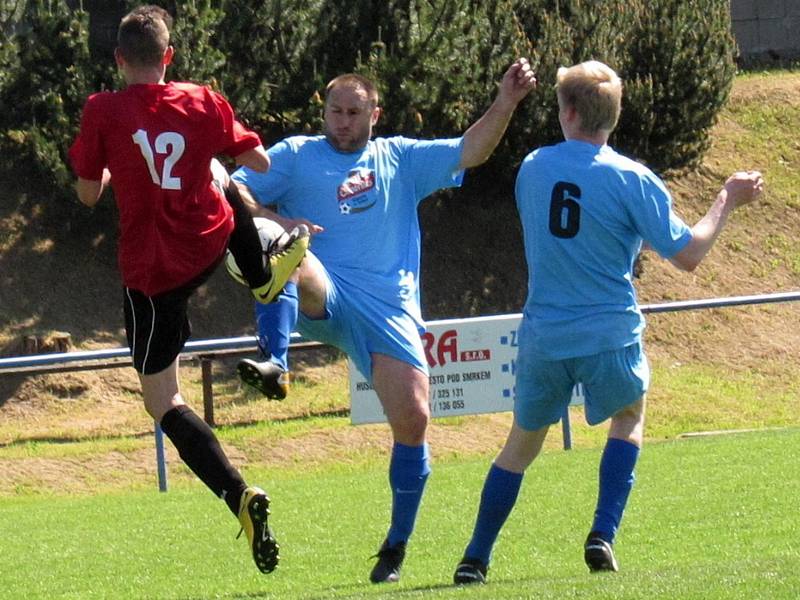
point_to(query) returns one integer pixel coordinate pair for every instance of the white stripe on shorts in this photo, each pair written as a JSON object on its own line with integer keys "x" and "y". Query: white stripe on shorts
{"x": 152, "y": 328}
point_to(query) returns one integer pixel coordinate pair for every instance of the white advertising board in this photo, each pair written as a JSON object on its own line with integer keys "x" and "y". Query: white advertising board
{"x": 472, "y": 364}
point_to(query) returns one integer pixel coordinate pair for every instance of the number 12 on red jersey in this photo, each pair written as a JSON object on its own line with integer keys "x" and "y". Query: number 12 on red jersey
{"x": 170, "y": 143}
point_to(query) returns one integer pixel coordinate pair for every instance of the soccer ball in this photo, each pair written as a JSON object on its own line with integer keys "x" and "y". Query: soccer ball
{"x": 270, "y": 233}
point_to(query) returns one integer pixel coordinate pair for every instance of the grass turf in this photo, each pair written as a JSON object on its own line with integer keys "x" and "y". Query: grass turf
{"x": 710, "y": 517}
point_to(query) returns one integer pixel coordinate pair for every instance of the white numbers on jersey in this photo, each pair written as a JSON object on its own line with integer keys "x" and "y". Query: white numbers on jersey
{"x": 170, "y": 143}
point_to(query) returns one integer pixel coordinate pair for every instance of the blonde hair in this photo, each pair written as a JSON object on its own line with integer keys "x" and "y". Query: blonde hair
{"x": 594, "y": 90}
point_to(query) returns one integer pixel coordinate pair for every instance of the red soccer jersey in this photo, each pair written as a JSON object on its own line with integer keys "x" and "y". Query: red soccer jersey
{"x": 158, "y": 141}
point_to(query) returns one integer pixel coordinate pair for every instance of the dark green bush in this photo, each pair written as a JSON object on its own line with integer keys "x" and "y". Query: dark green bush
{"x": 676, "y": 59}
{"x": 561, "y": 33}
{"x": 10, "y": 11}
{"x": 437, "y": 64}
{"x": 436, "y": 80}
{"x": 46, "y": 80}
{"x": 678, "y": 66}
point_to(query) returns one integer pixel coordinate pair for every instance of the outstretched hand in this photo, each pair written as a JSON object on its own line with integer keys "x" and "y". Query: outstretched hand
{"x": 743, "y": 187}
{"x": 518, "y": 81}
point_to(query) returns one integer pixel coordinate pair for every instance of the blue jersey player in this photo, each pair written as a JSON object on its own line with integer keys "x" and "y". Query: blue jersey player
{"x": 358, "y": 290}
{"x": 585, "y": 211}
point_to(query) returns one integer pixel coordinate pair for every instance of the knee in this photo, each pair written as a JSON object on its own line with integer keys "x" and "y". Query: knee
{"x": 410, "y": 426}
{"x": 157, "y": 406}
{"x": 418, "y": 420}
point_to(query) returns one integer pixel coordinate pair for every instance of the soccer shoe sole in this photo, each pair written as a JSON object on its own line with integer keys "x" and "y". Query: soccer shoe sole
{"x": 250, "y": 373}
{"x": 254, "y": 519}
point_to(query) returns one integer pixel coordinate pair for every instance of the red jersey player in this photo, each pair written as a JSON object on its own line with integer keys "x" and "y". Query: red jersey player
{"x": 154, "y": 143}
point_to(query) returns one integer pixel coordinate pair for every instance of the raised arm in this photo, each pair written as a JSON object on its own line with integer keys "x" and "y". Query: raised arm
{"x": 482, "y": 137}
{"x": 740, "y": 189}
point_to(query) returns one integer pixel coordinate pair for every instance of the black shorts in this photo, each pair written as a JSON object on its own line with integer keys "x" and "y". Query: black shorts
{"x": 158, "y": 326}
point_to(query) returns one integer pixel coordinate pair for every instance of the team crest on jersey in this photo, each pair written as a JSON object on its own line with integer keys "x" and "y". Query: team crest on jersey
{"x": 352, "y": 193}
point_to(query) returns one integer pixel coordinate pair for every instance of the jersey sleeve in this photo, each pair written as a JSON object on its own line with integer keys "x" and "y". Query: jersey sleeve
{"x": 236, "y": 138}
{"x": 655, "y": 220}
{"x": 87, "y": 154}
{"x": 434, "y": 164}
{"x": 268, "y": 188}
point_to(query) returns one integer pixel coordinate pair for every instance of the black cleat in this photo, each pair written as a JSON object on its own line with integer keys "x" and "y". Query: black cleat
{"x": 390, "y": 559}
{"x": 469, "y": 571}
{"x": 265, "y": 376}
{"x": 598, "y": 554}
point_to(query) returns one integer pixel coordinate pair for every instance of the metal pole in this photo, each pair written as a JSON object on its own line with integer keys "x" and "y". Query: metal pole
{"x": 161, "y": 461}
{"x": 565, "y": 428}
{"x": 720, "y": 302}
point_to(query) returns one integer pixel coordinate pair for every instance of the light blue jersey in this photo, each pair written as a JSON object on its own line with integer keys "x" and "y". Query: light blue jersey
{"x": 366, "y": 201}
{"x": 585, "y": 210}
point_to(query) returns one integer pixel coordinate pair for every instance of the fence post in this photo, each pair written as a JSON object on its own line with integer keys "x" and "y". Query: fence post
{"x": 208, "y": 390}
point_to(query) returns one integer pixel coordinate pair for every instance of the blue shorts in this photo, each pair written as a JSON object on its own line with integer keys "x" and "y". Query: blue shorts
{"x": 360, "y": 325}
{"x": 611, "y": 381}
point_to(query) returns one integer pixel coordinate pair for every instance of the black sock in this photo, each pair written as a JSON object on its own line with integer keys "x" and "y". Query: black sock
{"x": 245, "y": 243}
{"x": 198, "y": 447}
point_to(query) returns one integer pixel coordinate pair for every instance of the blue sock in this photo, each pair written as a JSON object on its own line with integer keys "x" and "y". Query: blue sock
{"x": 500, "y": 491}
{"x": 275, "y": 322}
{"x": 616, "y": 481}
{"x": 408, "y": 472}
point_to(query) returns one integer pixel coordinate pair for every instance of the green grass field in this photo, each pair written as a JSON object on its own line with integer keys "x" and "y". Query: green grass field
{"x": 710, "y": 517}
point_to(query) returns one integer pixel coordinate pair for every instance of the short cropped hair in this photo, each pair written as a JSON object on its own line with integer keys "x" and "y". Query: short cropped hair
{"x": 354, "y": 80}
{"x": 143, "y": 35}
{"x": 595, "y": 91}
